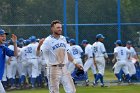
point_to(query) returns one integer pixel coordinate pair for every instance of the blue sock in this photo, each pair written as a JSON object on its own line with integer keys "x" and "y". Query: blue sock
{"x": 97, "y": 77}
{"x": 46, "y": 79}
{"x": 101, "y": 79}
{"x": 39, "y": 80}
{"x": 33, "y": 82}
{"x": 12, "y": 81}
{"x": 22, "y": 79}
{"x": 118, "y": 76}
{"x": 127, "y": 77}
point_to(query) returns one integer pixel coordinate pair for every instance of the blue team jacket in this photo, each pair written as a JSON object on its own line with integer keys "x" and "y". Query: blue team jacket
{"x": 3, "y": 52}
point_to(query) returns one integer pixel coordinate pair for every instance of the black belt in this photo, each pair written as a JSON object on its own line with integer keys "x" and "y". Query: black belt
{"x": 59, "y": 65}
{"x": 90, "y": 57}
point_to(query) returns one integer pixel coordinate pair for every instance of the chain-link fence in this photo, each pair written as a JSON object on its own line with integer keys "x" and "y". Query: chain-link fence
{"x": 32, "y": 17}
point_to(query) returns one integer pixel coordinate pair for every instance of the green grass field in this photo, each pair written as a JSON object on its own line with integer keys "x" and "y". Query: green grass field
{"x": 90, "y": 89}
{"x": 82, "y": 89}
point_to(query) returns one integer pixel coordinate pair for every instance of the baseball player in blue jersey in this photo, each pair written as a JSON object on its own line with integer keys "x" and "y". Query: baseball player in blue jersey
{"x": 54, "y": 49}
{"x": 5, "y": 51}
{"x": 100, "y": 55}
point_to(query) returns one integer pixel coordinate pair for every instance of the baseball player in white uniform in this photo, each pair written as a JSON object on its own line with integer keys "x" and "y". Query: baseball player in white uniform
{"x": 26, "y": 66}
{"x": 121, "y": 55}
{"x": 89, "y": 62}
{"x": 33, "y": 59}
{"x": 133, "y": 55}
{"x": 100, "y": 55}
{"x": 76, "y": 52}
{"x": 11, "y": 67}
{"x": 55, "y": 51}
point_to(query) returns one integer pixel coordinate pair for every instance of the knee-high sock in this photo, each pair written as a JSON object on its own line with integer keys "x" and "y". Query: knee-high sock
{"x": 22, "y": 79}
{"x": 33, "y": 81}
{"x": 98, "y": 77}
{"x": 118, "y": 76}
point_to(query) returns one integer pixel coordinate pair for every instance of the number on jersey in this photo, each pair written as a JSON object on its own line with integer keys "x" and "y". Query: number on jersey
{"x": 75, "y": 51}
{"x": 29, "y": 50}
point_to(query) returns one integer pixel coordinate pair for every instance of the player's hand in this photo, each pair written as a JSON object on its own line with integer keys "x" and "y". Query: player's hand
{"x": 79, "y": 66}
{"x": 14, "y": 38}
{"x": 113, "y": 60}
{"x": 41, "y": 41}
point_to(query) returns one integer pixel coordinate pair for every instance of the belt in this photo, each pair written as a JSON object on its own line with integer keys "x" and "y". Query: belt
{"x": 120, "y": 60}
{"x": 90, "y": 57}
{"x": 58, "y": 65}
{"x": 32, "y": 58}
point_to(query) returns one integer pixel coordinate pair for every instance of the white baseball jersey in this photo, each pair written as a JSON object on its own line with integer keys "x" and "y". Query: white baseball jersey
{"x": 99, "y": 49}
{"x": 88, "y": 51}
{"x": 12, "y": 48}
{"x": 31, "y": 50}
{"x": 130, "y": 64}
{"x": 132, "y": 52}
{"x": 22, "y": 54}
{"x": 75, "y": 51}
{"x": 122, "y": 53}
{"x": 55, "y": 50}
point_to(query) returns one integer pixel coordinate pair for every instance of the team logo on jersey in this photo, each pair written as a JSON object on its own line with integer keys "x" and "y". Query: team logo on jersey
{"x": 58, "y": 45}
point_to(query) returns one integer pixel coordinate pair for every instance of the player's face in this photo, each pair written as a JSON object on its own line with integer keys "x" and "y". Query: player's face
{"x": 2, "y": 38}
{"x": 57, "y": 29}
{"x": 128, "y": 46}
{"x": 101, "y": 39}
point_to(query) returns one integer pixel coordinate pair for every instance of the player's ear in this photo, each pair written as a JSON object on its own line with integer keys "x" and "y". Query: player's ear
{"x": 52, "y": 29}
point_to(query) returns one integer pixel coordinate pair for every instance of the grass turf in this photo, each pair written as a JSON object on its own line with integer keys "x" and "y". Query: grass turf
{"x": 82, "y": 89}
{"x": 90, "y": 89}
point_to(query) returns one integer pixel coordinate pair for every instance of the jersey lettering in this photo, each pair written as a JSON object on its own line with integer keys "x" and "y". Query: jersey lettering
{"x": 58, "y": 45}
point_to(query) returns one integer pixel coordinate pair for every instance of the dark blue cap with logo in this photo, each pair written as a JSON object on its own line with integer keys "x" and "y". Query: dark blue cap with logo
{"x": 84, "y": 42}
{"x": 98, "y": 36}
{"x": 119, "y": 42}
{"x": 3, "y": 32}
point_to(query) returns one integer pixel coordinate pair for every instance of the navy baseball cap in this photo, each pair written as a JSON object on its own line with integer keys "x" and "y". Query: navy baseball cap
{"x": 129, "y": 42}
{"x": 3, "y": 32}
{"x": 84, "y": 42}
{"x": 98, "y": 36}
{"x": 72, "y": 41}
{"x": 119, "y": 42}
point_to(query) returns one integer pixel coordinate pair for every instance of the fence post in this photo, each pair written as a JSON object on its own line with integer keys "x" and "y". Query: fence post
{"x": 65, "y": 17}
{"x": 119, "y": 19}
{"x": 76, "y": 21}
